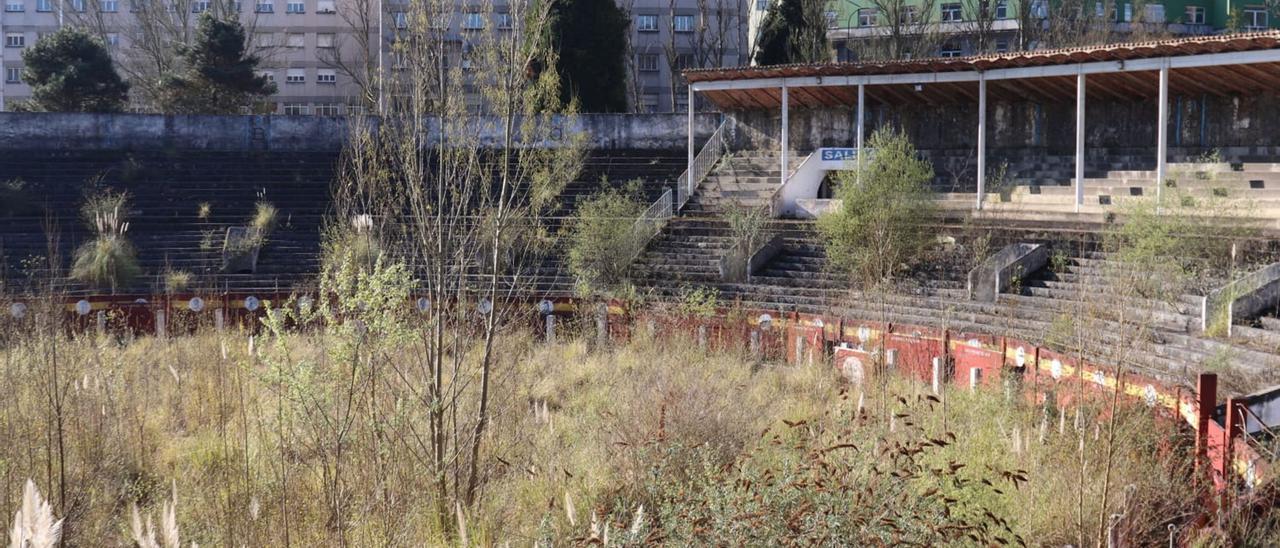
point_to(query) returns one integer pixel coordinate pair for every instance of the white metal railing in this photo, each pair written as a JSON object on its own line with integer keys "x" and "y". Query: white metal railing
{"x": 706, "y": 159}
{"x": 650, "y": 223}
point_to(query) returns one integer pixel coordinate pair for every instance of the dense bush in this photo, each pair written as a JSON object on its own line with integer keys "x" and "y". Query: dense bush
{"x": 603, "y": 239}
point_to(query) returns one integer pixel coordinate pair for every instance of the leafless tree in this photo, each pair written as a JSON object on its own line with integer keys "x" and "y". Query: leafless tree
{"x": 354, "y": 52}
{"x": 905, "y": 29}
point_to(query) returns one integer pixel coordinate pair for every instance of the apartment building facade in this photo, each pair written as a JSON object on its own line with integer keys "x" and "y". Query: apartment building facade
{"x": 322, "y": 53}
{"x": 853, "y": 23}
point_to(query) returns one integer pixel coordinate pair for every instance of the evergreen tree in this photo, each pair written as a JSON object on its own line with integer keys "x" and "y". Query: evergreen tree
{"x": 71, "y": 71}
{"x": 793, "y": 31}
{"x": 220, "y": 74}
{"x": 590, "y": 38}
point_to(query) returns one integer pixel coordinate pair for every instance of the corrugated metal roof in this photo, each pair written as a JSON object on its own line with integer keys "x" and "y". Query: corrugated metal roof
{"x": 1063, "y": 56}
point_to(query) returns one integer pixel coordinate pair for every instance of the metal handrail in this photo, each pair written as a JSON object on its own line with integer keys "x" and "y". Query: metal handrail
{"x": 651, "y": 221}
{"x": 706, "y": 159}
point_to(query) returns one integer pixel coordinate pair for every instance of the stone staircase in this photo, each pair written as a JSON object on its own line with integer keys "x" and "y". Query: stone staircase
{"x": 742, "y": 179}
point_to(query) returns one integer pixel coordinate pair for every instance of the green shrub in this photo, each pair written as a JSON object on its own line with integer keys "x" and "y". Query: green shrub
{"x": 106, "y": 261}
{"x": 603, "y": 240}
{"x": 877, "y": 230}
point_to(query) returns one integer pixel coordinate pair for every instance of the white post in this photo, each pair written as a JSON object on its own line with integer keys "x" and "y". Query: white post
{"x": 690, "y": 183}
{"x": 1162, "y": 131}
{"x": 982, "y": 137}
{"x": 382, "y": 39}
{"x": 786, "y": 130}
{"x": 1079, "y": 141}
{"x": 937, "y": 375}
{"x": 862, "y": 101}
{"x": 975, "y": 378}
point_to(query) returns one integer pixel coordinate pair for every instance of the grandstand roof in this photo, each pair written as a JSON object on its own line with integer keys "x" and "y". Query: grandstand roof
{"x": 1216, "y": 65}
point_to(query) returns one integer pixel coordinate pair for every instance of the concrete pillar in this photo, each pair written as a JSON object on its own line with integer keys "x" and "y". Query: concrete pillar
{"x": 890, "y": 359}
{"x": 862, "y": 106}
{"x": 102, "y": 322}
{"x": 982, "y": 138}
{"x": 602, "y": 325}
{"x": 937, "y": 375}
{"x": 1162, "y": 131}
{"x": 161, "y": 331}
{"x": 218, "y": 322}
{"x": 550, "y": 322}
{"x": 690, "y": 182}
{"x": 755, "y": 342}
{"x": 786, "y": 134}
{"x": 1080, "y": 129}
{"x": 702, "y": 337}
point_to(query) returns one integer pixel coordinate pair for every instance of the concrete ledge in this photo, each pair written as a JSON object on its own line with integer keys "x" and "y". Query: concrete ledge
{"x": 995, "y": 274}
{"x": 812, "y": 208}
{"x": 1242, "y": 299}
{"x": 739, "y": 264}
{"x": 79, "y": 131}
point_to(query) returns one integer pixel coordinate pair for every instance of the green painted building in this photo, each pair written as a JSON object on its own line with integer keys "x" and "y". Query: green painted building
{"x": 964, "y": 27}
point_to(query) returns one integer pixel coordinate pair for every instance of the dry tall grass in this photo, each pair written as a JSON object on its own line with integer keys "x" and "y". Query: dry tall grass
{"x": 314, "y": 438}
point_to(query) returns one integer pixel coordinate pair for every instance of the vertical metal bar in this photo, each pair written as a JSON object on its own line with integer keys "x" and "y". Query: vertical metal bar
{"x": 1162, "y": 131}
{"x": 1080, "y": 129}
{"x": 982, "y": 138}
{"x": 862, "y": 106}
{"x": 786, "y": 130}
{"x": 689, "y": 184}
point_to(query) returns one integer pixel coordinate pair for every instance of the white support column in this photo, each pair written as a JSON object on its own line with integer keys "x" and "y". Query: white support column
{"x": 1162, "y": 131}
{"x": 689, "y": 183}
{"x": 1079, "y": 141}
{"x": 862, "y": 105}
{"x": 786, "y": 131}
{"x": 982, "y": 138}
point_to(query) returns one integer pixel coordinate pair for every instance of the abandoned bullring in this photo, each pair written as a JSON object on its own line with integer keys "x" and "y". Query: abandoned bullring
{"x": 1028, "y": 297}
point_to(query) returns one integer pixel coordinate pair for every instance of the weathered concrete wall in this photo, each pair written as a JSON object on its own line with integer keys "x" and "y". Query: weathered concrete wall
{"x": 1238, "y": 126}
{"x": 142, "y": 131}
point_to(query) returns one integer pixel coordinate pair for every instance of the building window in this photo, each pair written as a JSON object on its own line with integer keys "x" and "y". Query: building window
{"x": 264, "y": 7}
{"x": 295, "y": 40}
{"x": 910, "y": 16}
{"x": 199, "y": 6}
{"x": 265, "y": 39}
{"x": 1098, "y": 9}
{"x": 832, "y": 18}
{"x": 1153, "y": 13}
{"x": 951, "y": 13}
{"x": 15, "y": 40}
{"x": 685, "y": 61}
{"x": 1195, "y": 15}
{"x": 77, "y": 6}
{"x": 1002, "y": 45}
{"x": 1040, "y": 9}
{"x": 296, "y": 109}
{"x": 329, "y": 109}
{"x": 1002, "y": 9}
{"x": 12, "y": 75}
{"x": 355, "y": 110}
{"x": 504, "y": 21}
{"x": 1127, "y": 15}
{"x": 473, "y": 21}
{"x": 324, "y": 40}
{"x": 1255, "y": 18}
{"x": 402, "y": 19}
{"x": 295, "y": 7}
{"x": 109, "y": 6}
{"x": 649, "y": 102}
{"x": 113, "y": 39}
{"x": 867, "y": 17}
{"x": 949, "y": 50}
{"x": 762, "y": 5}
{"x": 647, "y": 62}
{"x": 44, "y": 5}
{"x": 682, "y": 23}
{"x": 270, "y": 76}
{"x": 647, "y": 23}
{"x": 13, "y": 5}
{"x": 296, "y": 76}
{"x": 326, "y": 76}
{"x": 325, "y": 6}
